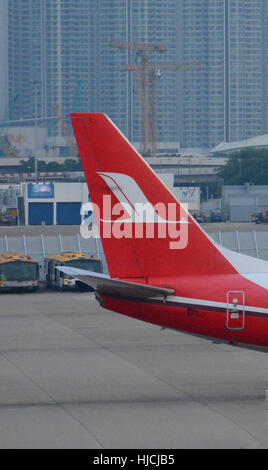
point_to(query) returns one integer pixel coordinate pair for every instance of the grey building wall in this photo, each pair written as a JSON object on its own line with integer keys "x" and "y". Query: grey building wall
{"x": 246, "y": 74}
{"x": 138, "y": 21}
{"x": 265, "y": 64}
{"x": 226, "y": 102}
{"x": 3, "y": 57}
{"x": 50, "y": 44}
{"x": 64, "y": 46}
{"x": 239, "y": 202}
{"x": 194, "y": 90}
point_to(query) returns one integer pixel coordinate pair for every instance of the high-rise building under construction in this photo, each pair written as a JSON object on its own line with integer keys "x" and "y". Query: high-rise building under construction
{"x": 3, "y": 58}
{"x": 59, "y": 53}
{"x": 138, "y": 21}
{"x": 50, "y": 47}
{"x": 60, "y": 50}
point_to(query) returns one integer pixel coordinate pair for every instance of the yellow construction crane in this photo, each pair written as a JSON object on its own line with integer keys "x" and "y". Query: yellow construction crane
{"x": 148, "y": 74}
{"x": 66, "y": 132}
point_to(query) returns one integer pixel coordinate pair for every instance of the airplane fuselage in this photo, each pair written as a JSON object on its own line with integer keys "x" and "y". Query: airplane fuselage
{"x": 237, "y": 312}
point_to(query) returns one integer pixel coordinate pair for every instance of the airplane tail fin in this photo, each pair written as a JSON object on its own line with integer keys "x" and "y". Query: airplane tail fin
{"x": 145, "y": 231}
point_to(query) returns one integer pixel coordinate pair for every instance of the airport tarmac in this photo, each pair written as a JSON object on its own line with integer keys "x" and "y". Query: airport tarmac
{"x": 73, "y": 375}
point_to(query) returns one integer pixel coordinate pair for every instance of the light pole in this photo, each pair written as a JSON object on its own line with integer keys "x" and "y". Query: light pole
{"x": 35, "y": 84}
{"x": 240, "y": 166}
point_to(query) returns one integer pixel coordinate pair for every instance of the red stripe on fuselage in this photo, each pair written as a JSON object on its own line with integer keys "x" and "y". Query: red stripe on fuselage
{"x": 202, "y": 322}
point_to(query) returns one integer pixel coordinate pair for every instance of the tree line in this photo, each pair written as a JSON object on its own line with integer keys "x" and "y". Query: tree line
{"x": 246, "y": 166}
{"x": 69, "y": 164}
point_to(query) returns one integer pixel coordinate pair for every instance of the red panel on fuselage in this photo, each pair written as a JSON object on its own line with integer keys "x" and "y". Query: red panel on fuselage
{"x": 199, "y": 322}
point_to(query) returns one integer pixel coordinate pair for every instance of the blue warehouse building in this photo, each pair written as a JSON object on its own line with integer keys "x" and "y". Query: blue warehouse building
{"x": 54, "y": 203}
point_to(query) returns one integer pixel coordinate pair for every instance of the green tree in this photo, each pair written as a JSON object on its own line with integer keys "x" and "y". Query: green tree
{"x": 246, "y": 166}
{"x": 72, "y": 165}
{"x": 27, "y": 166}
{"x": 68, "y": 165}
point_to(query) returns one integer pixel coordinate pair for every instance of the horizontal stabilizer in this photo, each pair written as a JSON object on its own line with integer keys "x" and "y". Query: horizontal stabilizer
{"x": 104, "y": 285}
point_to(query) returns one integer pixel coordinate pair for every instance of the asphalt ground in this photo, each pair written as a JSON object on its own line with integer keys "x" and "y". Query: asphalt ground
{"x": 73, "y": 375}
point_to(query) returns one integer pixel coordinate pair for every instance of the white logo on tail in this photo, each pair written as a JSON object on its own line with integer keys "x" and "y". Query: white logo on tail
{"x": 133, "y": 200}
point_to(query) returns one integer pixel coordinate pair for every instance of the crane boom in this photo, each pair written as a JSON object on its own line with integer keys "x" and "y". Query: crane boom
{"x": 147, "y": 75}
{"x": 163, "y": 68}
{"x": 140, "y": 47}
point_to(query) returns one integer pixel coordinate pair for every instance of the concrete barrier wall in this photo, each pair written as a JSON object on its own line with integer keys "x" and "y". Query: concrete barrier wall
{"x": 39, "y": 246}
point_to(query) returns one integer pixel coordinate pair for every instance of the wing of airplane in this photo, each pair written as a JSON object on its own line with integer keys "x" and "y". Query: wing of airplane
{"x": 104, "y": 285}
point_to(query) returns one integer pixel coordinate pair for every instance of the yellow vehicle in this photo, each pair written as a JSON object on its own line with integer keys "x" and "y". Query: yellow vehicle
{"x": 18, "y": 272}
{"x": 260, "y": 217}
{"x": 57, "y": 279}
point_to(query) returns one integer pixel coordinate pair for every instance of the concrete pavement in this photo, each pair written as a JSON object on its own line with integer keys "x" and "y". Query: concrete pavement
{"x": 73, "y": 375}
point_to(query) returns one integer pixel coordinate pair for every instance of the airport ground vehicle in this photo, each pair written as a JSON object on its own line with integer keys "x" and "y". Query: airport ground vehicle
{"x": 260, "y": 217}
{"x": 216, "y": 216}
{"x": 8, "y": 219}
{"x": 198, "y": 216}
{"x": 56, "y": 279}
{"x": 18, "y": 272}
{"x": 183, "y": 280}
